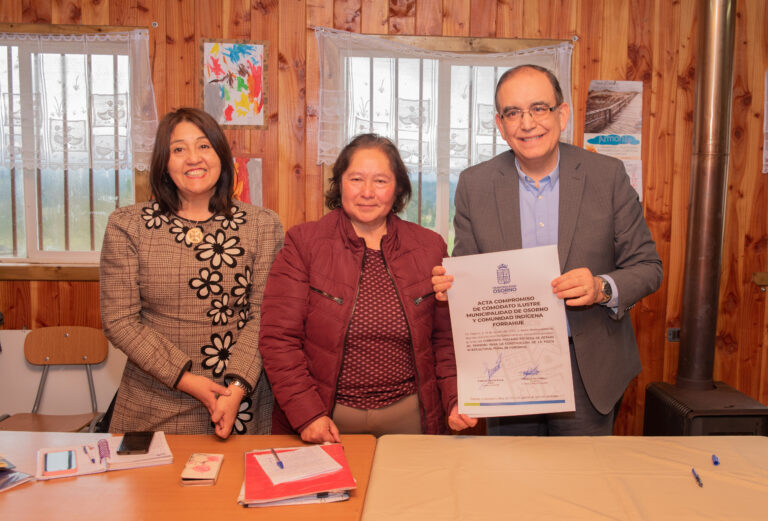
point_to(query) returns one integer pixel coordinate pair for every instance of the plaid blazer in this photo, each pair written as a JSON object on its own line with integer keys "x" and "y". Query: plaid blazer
{"x": 171, "y": 306}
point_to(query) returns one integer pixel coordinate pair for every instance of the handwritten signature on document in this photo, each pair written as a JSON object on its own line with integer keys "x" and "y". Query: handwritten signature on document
{"x": 490, "y": 371}
{"x": 533, "y": 371}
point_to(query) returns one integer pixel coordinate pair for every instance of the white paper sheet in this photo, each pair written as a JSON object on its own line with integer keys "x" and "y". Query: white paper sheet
{"x": 509, "y": 333}
{"x": 298, "y": 464}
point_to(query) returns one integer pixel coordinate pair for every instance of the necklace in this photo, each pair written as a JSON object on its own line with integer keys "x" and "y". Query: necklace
{"x": 194, "y": 235}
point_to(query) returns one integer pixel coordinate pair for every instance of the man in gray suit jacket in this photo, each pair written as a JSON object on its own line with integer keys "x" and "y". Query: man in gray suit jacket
{"x": 547, "y": 192}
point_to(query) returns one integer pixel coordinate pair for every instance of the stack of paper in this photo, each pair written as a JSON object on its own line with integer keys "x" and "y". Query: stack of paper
{"x": 9, "y": 477}
{"x": 297, "y": 475}
{"x": 159, "y": 453}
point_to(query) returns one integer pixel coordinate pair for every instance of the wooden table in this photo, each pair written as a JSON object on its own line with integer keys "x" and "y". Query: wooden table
{"x": 465, "y": 478}
{"x": 155, "y": 493}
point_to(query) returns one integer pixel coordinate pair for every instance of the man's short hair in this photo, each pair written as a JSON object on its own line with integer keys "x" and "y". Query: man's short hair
{"x": 514, "y": 70}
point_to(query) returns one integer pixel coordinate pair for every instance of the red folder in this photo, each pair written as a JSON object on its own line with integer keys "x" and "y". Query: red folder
{"x": 259, "y": 488}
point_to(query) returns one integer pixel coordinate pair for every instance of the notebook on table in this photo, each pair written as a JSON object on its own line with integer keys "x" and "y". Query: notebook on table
{"x": 101, "y": 456}
{"x": 10, "y": 477}
{"x": 296, "y": 475}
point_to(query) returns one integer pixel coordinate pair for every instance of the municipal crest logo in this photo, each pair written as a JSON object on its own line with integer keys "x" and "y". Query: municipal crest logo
{"x": 502, "y": 274}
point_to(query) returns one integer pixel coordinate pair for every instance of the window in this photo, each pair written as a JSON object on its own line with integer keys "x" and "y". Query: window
{"x": 74, "y": 113}
{"x": 436, "y": 106}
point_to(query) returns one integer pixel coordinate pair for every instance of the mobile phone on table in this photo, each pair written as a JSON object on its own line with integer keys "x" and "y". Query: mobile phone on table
{"x": 135, "y": 442}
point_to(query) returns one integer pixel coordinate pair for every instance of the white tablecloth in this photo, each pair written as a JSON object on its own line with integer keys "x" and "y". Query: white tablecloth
{"x": 431, "y": 478}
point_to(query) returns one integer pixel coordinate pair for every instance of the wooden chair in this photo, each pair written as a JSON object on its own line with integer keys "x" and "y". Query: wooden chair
{"x": 60, "y": 346}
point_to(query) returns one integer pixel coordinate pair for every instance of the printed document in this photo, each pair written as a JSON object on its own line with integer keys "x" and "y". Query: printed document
{"x": 509, "y": 333}
{"x": 298, "y": 463}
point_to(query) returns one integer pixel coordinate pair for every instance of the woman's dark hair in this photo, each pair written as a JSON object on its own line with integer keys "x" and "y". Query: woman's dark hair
{"x": 368, "y": 141}
{"x": 163, "y": 189}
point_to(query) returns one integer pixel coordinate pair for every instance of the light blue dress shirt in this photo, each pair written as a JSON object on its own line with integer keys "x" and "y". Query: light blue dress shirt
{"x": 539, "y": 211}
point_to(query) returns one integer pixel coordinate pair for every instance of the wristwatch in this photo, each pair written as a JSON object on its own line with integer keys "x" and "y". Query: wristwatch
{"x": 238, "y": 382}
{"x": 605, "y": 287}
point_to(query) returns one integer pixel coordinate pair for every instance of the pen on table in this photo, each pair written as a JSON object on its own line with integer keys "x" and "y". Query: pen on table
{"x": 715, "y": 460}
{"x": 277, "y": 459}
{"x": 85, "y": 449}
{"x": 696, "y": 475}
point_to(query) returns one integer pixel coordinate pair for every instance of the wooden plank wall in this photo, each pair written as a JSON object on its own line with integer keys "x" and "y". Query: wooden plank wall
{"x": 652, "y": 41}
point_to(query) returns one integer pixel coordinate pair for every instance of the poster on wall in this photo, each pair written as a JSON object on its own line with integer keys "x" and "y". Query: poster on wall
{"x": 247, "y": 187}
{"x": 233, "y": 82}
{"x": 613, "y": 124}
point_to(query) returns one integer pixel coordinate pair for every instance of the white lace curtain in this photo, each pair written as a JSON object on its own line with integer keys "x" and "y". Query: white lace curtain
{"x": 76, "y": 101}
{"x": 360, "y": 71}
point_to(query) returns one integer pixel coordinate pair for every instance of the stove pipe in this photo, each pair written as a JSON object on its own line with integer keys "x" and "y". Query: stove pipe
{"x": 709, "y": 175}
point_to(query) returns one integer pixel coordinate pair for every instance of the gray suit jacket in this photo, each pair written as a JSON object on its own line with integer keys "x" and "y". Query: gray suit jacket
{"x": 600, "y": 227}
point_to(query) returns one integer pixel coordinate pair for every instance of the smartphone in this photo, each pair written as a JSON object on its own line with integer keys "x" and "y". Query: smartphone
{"x": 60, "y": 462}
{"x": 135, "y": 442}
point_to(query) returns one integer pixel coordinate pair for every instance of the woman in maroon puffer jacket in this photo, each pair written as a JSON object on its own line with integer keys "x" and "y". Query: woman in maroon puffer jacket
{"x": 352, "y": 338}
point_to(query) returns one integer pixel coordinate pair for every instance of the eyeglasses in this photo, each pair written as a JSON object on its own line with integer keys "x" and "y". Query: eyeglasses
{"x": 537, "y": 112}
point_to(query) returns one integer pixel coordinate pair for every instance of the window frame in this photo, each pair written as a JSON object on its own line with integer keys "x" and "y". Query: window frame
{"x": 80, "y": 266}
{"x": 459, "y": 45}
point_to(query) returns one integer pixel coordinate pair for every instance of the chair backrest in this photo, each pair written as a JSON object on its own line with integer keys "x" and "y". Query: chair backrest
{"x": 64, "y": 345}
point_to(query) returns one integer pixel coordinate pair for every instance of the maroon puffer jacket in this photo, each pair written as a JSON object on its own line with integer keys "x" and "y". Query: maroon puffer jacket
{"x": 308, "y": 303}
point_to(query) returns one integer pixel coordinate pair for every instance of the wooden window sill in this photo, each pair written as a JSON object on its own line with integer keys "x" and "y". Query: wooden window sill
{"x": 23, "y": 271}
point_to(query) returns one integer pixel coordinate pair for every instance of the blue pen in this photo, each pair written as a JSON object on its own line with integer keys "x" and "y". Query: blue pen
{"x": 696, "y": 475}
{"x": 715, "y": 460}
{"x": 277, "y": 459}
{"x": 85, "y": 449}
